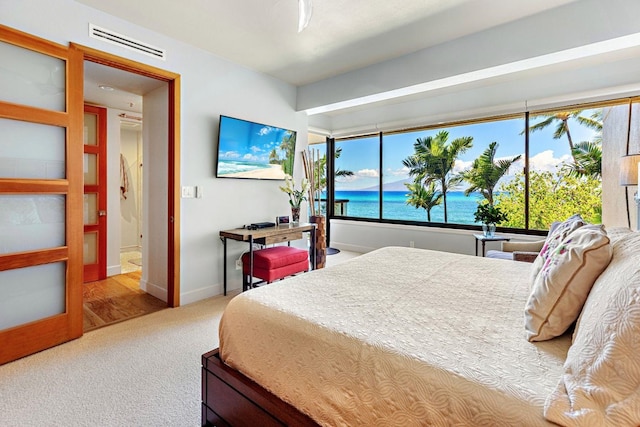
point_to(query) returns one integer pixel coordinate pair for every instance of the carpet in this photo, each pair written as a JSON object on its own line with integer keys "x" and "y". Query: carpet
{"x": 142, "y": 372}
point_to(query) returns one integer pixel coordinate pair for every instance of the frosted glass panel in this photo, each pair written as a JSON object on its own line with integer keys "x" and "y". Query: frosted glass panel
{"x": 31, "y": 150}
{"x": 31, "y": 222}
{"x": 90, "y": 209}
{"x": 90, "y": 126}
{"x": 90, "y": 248}
{"x": 31, "y": 78}
{"x": 32, "y": 293}
{"x": 90, "y": 169}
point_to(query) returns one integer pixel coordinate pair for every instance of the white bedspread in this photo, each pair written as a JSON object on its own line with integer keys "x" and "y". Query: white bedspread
{"x": 398, "y": 336}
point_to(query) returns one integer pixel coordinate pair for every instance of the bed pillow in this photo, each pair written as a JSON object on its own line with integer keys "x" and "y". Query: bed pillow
{"x": 564, "y": 282}
{"x": 557, "y": 233}
{"x": 600, "y": 385}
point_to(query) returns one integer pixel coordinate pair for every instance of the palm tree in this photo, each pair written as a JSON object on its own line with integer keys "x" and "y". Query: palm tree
{"x": 588, "y": 160}
{"x": 485, "y": 172}
{"x": 273, "y": 157}
{"x": 433, "y": 161}
{"x": 288, "y": 145}
{"x": 321, "y": 166}
{"x": 561, "y": 119}
{"x": 421, "y": 197}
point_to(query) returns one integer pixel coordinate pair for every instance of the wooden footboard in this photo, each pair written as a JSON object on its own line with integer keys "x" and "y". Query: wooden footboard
{"x": 231, "y": 399}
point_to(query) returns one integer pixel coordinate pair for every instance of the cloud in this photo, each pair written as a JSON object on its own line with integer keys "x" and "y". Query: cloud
{"x": 461, "y": 165}
{"x": 230, "y": 155}
{"x": 367, "y": 173}
{"x": 255, "y": 149}
{"x": 251, "y": 158}
{"x": 545, "y": 161}
{"x": 266, "y": 130}
{"x": 403, "y": 172}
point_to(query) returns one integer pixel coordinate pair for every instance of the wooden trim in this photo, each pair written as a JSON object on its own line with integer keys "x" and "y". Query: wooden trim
{"x": 125, "y": 64}
{"x": 75, "y": 161}
{"x": 28, "y": 41}
{"x": 33, "y": 114}
{"x": 173, "y": 272}
{"x": 50, "y": 329}
{"x": 173, "y": 79}
{"x": 29, "y": 186}
{"x": 32, "y": 258}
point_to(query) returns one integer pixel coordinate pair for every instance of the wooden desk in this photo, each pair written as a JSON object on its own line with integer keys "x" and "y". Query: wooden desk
{"x": 266, "y": 236}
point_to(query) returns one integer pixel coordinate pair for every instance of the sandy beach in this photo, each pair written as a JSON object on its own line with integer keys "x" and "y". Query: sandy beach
{"x": 274, "y": 172}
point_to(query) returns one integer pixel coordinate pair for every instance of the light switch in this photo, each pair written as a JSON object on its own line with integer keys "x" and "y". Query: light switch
{"x": 188, "y": 192}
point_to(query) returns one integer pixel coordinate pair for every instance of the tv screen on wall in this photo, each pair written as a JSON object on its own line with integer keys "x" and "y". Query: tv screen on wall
{"x": 253, "y": 150}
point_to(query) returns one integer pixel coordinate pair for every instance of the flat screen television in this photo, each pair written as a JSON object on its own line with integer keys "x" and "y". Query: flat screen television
{"x": 253, "y": 150}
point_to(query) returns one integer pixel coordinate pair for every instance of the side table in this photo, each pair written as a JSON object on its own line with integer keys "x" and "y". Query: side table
{"x": 484, "y": 239}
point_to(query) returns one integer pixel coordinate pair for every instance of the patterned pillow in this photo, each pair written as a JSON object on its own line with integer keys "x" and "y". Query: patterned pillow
{"x": 564, "y": 282}
{"x": 557, "y": 233}
{"x": 600, "y": 385}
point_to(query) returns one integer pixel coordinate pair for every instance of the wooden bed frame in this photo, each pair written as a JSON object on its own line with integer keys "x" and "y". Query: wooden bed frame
{"x": 231, "y": 399}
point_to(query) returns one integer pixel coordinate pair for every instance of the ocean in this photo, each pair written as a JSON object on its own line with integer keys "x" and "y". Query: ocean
{"x": 365, "y": 204}
{"x": 230, "y": 166}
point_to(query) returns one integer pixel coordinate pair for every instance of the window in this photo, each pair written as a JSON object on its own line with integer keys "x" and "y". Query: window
{"x": 439, "y": 175}
{"x": 441, "y": 193}
{"x": 357, "y": 176}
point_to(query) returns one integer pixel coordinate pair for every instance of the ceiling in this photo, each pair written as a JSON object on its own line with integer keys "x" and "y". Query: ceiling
{"x": 342, "y": 35}
{"x": 116, "y": 88}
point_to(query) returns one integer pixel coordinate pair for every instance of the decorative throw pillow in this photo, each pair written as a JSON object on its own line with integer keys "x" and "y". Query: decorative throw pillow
{"x": 600, "y": 385}
{"x": 557, "y": 233}
{"x": 564, "y": 282}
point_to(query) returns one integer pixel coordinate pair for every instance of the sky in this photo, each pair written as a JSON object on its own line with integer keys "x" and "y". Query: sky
{"x": 245, "y": 141}
{"x": 361, "y": 155}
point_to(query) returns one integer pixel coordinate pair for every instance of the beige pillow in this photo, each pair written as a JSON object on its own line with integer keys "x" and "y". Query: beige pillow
{"x": 600, "y": 385}
{"x": 564, "y": 282}
{"x": 556, "y": 235}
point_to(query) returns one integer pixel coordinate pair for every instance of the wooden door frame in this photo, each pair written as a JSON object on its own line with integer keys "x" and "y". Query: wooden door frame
{"x": 173, "y": 190}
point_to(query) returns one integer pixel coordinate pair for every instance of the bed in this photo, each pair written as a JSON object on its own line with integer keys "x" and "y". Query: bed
{"x": 398, "y": 336}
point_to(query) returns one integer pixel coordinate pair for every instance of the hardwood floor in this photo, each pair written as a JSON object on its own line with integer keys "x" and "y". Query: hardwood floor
{"x": 116, "y": 299}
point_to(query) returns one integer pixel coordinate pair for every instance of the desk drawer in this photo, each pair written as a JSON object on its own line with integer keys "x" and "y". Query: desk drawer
{"x": 270, "y": 240}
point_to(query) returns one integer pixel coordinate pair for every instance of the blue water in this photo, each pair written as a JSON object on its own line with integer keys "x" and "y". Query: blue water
{"x": 230, "y": 166}
{"x": 365, "y": 204}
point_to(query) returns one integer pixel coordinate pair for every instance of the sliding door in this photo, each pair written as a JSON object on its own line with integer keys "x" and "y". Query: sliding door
{"x": 41, "y": 194}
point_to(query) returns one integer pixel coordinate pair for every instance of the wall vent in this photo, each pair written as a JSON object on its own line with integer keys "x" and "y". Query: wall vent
{"x": 126, "y": 42}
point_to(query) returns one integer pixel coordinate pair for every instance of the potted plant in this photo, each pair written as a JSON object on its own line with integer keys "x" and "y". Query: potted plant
{"x": 296, "y": 197}
{"x": 489, "y": 215}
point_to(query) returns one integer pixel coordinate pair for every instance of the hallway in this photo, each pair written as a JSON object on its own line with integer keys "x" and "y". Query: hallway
{"x": 116, "y": 299}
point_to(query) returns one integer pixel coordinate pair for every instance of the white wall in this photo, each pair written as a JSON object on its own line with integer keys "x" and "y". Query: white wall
{"x": 155, "y": 231}
{"x": 130, "y": 204}
{"x": 210, "y": 86}
{"x": 572, "y": 25}
{"x": 363, "y": 237}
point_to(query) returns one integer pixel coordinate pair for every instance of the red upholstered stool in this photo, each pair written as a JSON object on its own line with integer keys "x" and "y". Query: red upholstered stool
{"x": 274, "y": 263}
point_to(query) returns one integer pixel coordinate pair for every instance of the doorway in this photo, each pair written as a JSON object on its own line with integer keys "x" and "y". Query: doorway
{"x": 157, "y": 141}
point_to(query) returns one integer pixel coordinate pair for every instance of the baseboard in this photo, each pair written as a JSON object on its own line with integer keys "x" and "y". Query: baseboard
{"x": 155, "y": 290}
{"x": 114, "y": 270}
{"x": 351, "y": 248}
{"x": 205, "y": 292}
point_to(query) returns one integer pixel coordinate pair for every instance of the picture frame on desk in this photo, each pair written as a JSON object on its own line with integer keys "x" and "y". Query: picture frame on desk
{"x": 282, "y": 220}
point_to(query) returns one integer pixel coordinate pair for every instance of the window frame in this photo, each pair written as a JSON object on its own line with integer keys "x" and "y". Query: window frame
{"x": 331, "y": 144}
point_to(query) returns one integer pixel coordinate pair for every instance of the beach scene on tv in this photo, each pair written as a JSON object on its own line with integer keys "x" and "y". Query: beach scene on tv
{"x": 253, "y": 150}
